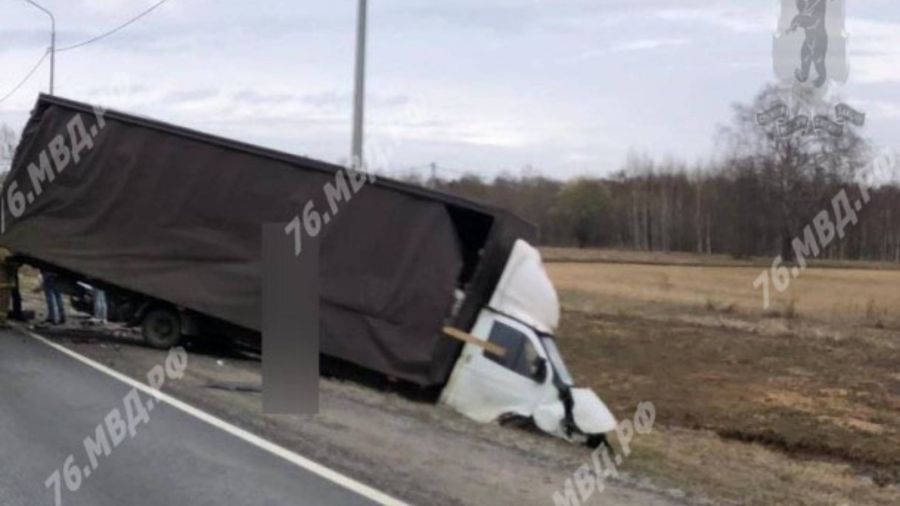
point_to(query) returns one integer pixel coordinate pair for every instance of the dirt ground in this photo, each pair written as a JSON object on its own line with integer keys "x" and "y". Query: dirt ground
{"x": 795, "y": 406}
{"x": 418, "y": 452}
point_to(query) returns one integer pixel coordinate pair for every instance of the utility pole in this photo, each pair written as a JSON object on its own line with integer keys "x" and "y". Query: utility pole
{"x": 52, "y": 41}
{"x": 433, "y": 181}
{"x": 359, "y": 100}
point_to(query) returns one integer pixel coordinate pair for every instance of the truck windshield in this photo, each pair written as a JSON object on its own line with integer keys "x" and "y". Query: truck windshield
{"x": 556, "y": 360}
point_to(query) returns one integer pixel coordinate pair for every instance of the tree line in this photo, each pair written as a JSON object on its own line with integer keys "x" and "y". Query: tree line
{"x": 763, "y": 192}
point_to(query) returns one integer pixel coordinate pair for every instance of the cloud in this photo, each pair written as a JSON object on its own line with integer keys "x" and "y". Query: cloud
{"x": 19, "y": 38}
{"x": 874, "y": 51}
{"x": 647, "y": 44}
{"x": 880, "y": 109}
{"x": 731, "y": 18}
{"x": 563, "y": 84}
{"x": 193, "y": 95}
{"x": 116, "y": 5}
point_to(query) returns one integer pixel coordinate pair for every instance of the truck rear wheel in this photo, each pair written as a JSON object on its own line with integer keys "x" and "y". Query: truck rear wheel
{"x": 161, "y": 328}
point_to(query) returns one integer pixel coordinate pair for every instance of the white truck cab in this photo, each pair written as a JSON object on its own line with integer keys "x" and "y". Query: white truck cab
{"x": 529, "y": 380}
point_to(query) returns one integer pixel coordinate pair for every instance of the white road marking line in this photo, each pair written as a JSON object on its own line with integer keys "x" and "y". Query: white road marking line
{"x": 294, "y": 458}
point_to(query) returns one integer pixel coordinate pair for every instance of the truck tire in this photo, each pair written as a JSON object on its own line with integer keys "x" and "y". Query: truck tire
{"x": 161, "y": 328}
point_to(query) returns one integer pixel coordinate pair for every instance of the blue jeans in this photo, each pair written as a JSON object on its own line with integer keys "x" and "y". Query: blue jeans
{"x": 100, "y": 304}
{"x": 56, "y": 311}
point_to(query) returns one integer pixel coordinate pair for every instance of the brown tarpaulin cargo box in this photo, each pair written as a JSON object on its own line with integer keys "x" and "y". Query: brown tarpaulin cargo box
{"x": 176, "y": 215}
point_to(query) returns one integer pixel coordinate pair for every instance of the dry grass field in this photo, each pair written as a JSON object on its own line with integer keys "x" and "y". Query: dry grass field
{"x": 799, "y": 404}
{"x": 859, "y": 296}
{"x": 573, "y": 255}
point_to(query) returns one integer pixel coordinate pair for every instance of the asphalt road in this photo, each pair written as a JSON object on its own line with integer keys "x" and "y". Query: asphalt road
{"x": 49, "y": 404}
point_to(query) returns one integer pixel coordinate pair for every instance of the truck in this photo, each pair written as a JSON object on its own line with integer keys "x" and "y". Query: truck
{"x": 417, "y": 285}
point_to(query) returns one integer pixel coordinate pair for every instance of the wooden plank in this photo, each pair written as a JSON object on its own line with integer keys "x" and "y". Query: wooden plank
{"x": 465, "y": 337}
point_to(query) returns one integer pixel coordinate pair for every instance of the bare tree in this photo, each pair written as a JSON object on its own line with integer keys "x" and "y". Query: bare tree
{"x": 793, "y": 174}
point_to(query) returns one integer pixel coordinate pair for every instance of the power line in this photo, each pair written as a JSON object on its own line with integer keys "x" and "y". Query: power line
{"x": 78, "y": 45}
{"x": 27, "y": 76}
{"x": 114, "y": 30}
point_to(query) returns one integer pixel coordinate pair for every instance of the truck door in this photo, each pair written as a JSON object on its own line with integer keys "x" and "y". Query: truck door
{"x": 485, "y": 386}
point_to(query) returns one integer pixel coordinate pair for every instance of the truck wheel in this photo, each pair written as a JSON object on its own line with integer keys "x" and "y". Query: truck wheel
{"x": 161, "y": 328}
{"x": 595, "y": 441}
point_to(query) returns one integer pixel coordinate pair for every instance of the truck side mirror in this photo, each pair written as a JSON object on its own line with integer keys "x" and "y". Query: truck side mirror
{"x": 540, "y": 370}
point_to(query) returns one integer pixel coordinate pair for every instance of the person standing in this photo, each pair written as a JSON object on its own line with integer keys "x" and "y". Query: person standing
{"x": 11, "y": 266}
{"x": 7, "y": 285}
{"x": 56, "y": 311}
{"x": 100, "y": 310}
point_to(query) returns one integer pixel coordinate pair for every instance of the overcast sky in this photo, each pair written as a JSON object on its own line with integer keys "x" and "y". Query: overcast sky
{"x": 567, "y": 87}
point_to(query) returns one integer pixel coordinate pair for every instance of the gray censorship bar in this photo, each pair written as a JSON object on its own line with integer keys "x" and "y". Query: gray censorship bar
{"x": 290, "y": 324}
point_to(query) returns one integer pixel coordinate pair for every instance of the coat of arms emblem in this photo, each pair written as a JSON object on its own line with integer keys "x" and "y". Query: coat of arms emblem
{"x": 810, "y": 47}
